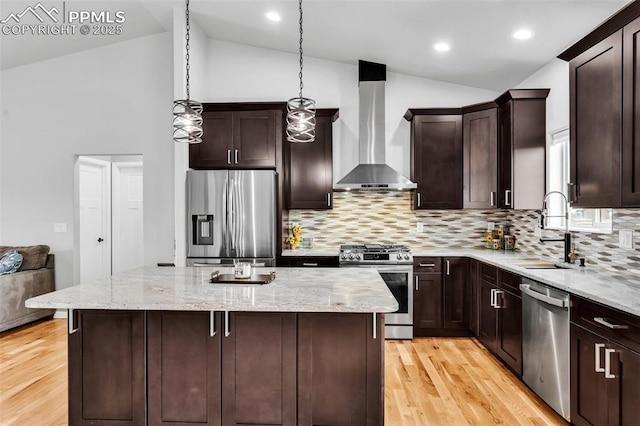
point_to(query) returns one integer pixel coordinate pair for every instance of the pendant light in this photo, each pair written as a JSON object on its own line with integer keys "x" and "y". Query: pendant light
{"x": 301, "y": 112}
{"x": 187, "y": 114}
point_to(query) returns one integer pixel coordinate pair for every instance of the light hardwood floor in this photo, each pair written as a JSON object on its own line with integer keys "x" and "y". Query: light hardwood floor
{"x": 428, "y": 381}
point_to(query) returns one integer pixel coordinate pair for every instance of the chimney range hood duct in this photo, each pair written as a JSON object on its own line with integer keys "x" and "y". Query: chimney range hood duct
{"x": 372, "y": 173}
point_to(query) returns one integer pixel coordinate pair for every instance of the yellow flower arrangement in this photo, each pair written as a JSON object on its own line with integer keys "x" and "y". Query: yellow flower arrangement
{"x": 295, "y": 238}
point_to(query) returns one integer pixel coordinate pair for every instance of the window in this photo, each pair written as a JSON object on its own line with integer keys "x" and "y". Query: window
{"x": 580, "y": 219}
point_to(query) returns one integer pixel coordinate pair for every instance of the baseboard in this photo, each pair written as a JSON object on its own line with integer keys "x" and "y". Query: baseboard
{"x": 60, "y": 313}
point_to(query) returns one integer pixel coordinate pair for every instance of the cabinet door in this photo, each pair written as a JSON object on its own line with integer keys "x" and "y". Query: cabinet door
{"x": 473, "y": 299}
{"x": 259, "y": 385}
{"x": 589, "y": 401}
{"x": 254, "y": 138}
{"x": 310, "y": 169}
{"x": 436, "y": 161}
{"x": 107, "y": 381}
{"x": 338, "y": 357}
{"x": 183, "y": 363}
{"x": 595, "y": 86}
{"x": 487, "y": 315}
{"x": 631, "y": 116}
{"x": 624, "y": 389}
{"x": 456, "y": 293}
{"x": 427, "y": 302}
{"x": 509, "y": 343}
{"x": 480, "y": 136}
{"x": 216, "y": 149}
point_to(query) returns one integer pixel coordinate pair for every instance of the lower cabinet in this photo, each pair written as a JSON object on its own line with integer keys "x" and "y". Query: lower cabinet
{"x": 241, "y": 368}
{"x": 107, "y": 368}
{"x": 605, "y": 385}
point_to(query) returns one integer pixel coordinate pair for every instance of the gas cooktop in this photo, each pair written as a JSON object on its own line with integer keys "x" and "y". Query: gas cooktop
{"x": 382, "y": 254}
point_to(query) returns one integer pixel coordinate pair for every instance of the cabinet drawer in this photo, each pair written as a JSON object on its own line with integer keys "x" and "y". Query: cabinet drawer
{"x": 488, "y": 273}
{"x": 427, "y": 264}
{"x": 510, "y": 281}
{"x": 618, "y": 326}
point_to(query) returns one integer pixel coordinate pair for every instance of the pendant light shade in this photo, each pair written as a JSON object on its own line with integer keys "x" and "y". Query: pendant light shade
{"x": 187, "y": 114}
{"x": 301, "y": 111}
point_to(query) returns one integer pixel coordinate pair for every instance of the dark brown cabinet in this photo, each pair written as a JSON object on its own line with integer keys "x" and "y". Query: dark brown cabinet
{"x": 480, "y": 159}
{"x": 310, "y": 261}
{"x": 183, "y": 368}
{"x": 605, "y": 365}
{"x": 309, "y": 166}
{"x": 236, "y": 136}
{"x": 473, "y": 296}
{"x": 441, "y": 296}
{"x": 631, "y": 115}
{"x": 500, "y": 315}
{"x": 436, "y": 159}
{"x": 107, "y": 385}
{"x": 340, "y": 369}
{"x": 521, "y": 148}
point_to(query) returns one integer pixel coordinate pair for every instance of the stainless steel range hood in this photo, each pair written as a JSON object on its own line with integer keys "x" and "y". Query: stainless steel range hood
{"x": 372, "y": 173}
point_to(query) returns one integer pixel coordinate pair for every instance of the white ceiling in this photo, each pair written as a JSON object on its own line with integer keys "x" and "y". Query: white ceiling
{"x": 399, "y": 33}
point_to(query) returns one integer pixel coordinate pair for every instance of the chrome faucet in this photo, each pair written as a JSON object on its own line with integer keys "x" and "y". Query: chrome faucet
{"x": 567, "y": 235}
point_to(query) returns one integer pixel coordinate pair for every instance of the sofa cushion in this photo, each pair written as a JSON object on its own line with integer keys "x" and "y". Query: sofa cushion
{"x": 34, "y": 257}
{"x": 10, "y": 262}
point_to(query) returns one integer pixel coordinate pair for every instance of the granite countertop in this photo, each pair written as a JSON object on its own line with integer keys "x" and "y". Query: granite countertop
{"x": 188, "y": 289}
{"x": 616, "y": 292}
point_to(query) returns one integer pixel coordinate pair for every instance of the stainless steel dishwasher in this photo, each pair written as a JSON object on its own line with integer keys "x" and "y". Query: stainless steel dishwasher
{"x": 545, "y": 344}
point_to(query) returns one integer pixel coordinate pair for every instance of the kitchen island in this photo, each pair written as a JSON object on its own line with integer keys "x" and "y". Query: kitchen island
{"x": 166, "y": 346}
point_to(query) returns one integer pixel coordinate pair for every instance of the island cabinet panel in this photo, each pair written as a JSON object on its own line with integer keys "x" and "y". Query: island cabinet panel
{"x": 436, "y": 161}
{"x": 340, "y": 369}
{"x": 309, "y": 166}
{"x": 595, "y": 88}
{"x": 258, "y": 369}
{"x": 107, "y": 380}
{"x": 480, "y": 136}
{"x": 183, "y": 369}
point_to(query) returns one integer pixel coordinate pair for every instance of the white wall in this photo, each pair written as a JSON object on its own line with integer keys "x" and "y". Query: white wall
{"x": 555, "y": 76}
{"x": 110, "y": 100}
{"x": 243, "y": 73}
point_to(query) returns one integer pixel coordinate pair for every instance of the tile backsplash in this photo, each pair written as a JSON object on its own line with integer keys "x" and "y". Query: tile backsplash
{"x": 386, "y": 217}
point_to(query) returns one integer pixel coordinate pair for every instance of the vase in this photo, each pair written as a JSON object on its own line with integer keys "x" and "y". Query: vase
{"x": 292, "y": 247}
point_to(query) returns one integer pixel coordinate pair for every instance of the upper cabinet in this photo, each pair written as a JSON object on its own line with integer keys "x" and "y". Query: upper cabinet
{"x": 604, "y": 92}
{"x": 436, "y": 158}
{"x": 480, "y": 159}
{"x": 309, "y": 166}
{"x": 522, "y": 148}
{"x": 238, "y": 136}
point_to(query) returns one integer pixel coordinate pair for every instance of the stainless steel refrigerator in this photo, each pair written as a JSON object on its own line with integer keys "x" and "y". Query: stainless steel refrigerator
{"x": 231, "y": 214}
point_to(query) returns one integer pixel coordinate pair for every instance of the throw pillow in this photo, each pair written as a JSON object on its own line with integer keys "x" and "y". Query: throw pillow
{"x": 10, "y": 262}
{"x": 33, "y": 257}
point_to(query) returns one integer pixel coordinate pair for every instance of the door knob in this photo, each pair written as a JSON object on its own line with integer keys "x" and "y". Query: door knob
{"x": 100, "y": 239}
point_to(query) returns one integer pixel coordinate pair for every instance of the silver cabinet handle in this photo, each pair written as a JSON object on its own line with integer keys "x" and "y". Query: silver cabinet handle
{"x": 235, "y": 154}
{"x": 493, "y": 298}
{"x": 419, "y": 200}
{"x": 599, "y": 368}
{"x": 607, "y": 324}
{"x": 375, "y": 327}
{"x": 70, "y": 322}
{"x": 607, "y": 364}
{"x": 212, "y": 323}
{"x": 227, "y": 332}
{"x": 507, "y": 197}
{"x": 572, "y": 192}
{"x": 417, "y": 285}
{"x": 448, "y": 270}
{"x": 501, "y": 293}
{"x": 228, "y": 156}
{"x": 492, "y": 196}
{"x": 310, "y": 264}
{"x": 427, "y": 265}
{"x": 328, "y": 199}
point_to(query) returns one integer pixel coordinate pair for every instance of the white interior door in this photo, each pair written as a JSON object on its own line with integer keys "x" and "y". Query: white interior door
{"x": 94, "y": 203}
{"x": 127, "y": 231}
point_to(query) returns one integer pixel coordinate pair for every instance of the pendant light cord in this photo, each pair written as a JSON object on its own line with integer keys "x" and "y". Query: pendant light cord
{"x": 187, "y": 47}
{"x": 301, "y": 64}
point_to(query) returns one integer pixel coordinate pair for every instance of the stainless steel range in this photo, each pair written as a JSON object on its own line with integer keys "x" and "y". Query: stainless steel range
{"x": 394, "y": 263}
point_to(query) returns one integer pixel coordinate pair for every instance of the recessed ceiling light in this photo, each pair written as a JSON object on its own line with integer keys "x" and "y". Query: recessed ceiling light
{"x": 523, "y": 34}
{"x": 273, "y": 16}
{"x": 442, "y": 46}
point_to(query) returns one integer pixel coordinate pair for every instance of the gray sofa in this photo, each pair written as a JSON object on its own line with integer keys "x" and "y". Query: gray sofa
{"x": 35, "y": 277}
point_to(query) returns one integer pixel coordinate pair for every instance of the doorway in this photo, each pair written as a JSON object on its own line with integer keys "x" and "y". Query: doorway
{"x": 109, "y": 215}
